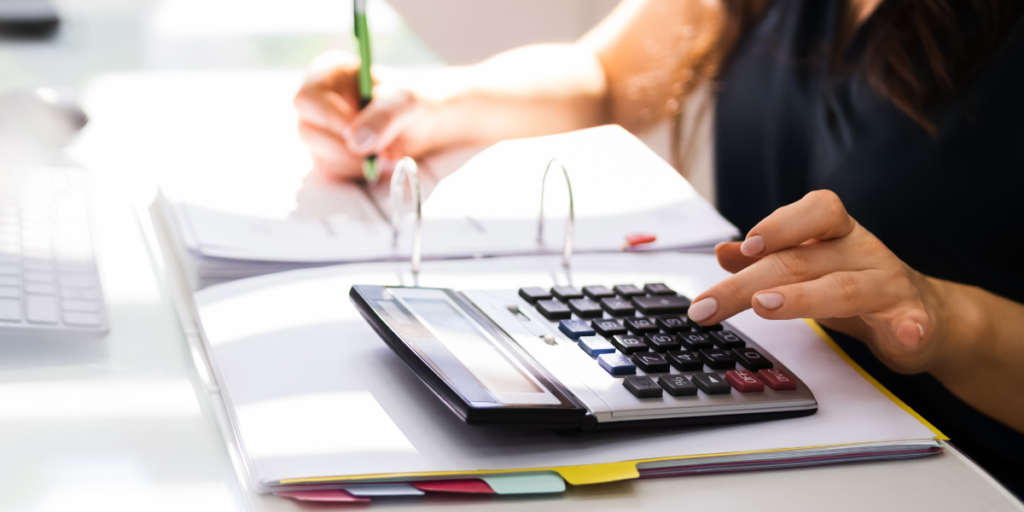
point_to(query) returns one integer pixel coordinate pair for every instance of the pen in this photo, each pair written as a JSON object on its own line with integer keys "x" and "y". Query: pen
{"x": 370, "y": 170}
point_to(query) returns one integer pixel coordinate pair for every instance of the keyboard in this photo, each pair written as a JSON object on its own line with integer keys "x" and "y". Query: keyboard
{"x": 49, "y": 285}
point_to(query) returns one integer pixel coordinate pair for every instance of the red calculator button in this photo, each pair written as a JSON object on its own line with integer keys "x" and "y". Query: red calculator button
{"x": 776, "y": 379}
{"x": 744, "y": 381}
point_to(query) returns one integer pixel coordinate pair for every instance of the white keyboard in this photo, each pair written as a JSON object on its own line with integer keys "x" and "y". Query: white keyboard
{"x": 49, "y": 286}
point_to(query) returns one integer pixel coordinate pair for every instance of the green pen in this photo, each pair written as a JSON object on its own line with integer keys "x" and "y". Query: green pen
{"x": 370, "y": 170}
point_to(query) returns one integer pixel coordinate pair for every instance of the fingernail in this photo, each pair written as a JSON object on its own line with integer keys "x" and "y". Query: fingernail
{"x": 770, "y": 300}
{"x": 365, "y": 139}
{"x": 920, "y": 330}
{"x": 703, "y": 309}
{"x": 752, "y": 246}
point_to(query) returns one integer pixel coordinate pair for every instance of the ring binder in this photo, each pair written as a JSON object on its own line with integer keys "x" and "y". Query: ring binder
{"x": 407, "y": 167}
{"x": 567, "y": 247}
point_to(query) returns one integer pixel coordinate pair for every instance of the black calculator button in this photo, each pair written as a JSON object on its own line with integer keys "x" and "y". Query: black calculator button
{"x": 658, "y": 289}
{"x": 677, "y": 385}
{"x": 642, "y": 386}
{"x": 617, "y": 307}
{"x": 608, "y": 327}
{"x": 533, "y": 294}
{"x": 566, "y": 293}
{"x": 597, "y": 292}
{"x": 673, "y": 323}
{"x": 695, "y": 340}
{"x": 629, "y": 344}
{"x": 751, "y": 359}
{"x": 553, "y": 310}
{"x": 661, "y": 304}
{"x": 717, "y": 358}
{"x": 704, "y": 328}
{"x": 661, "y": 342}
{"x": 711, "y": 383}
{"x": 727, "y": 339}
{"x": 640, "y": 325}
{"x": 650, "y": 362}
{"x": 585, "y": 308}
{"x": 685, "y": 361}
{"x": 627, "y": 290}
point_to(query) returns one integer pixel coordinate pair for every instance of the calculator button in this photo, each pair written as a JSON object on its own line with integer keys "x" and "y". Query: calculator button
{"x": 575, "y": 328}
{"x": 10, "y": 310}
{"x": 704, "y": 328}
{"x": 79, "y": 293}
{"x": 41, "y": 309}
{"x": 596, "y": 345}
{"x": 661, "y": 342}
{"x": 627, "y": 291}
{"x": 608, "y": 327}
{"x": 628, "y": 344}
{"x": 717, "y": 358}
{"x": 744, "y": 381}
{"x": 658, "y": 289}
{"x": 585, "y": 308}
{"x": 85, "y": 319}
{"x": 566, "y": 293}
{"x": 85, "y": 306}
{"x": 695, "y": 340}
{"x": 40, "y": 288}
{"x": 77, "y": 280}
{"x": 727, "y": 339}
{"x": 776, "y": 379}
{"x": 616, "y": 364}
{"x": 553, "y": 309}
{"x": 685, "y": 361}
{"x": 642, "y": 386}
{"x": 10, "y": 292}
{"x": 651, "y": 362}
{"x": 661, "y": 304}
{"x": 533, "y": 294}
{"x": 640, "y": 325}
{"x": 597, "y": 292}
{"x": 711, "y": 383}
{"x": 751, "y": 359}
{"x": 677, "y": 385}
{"x": 617, "y": 307}
{"x": 673, "y": 323}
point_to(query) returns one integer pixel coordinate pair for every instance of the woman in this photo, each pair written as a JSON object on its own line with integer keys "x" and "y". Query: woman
{"x": 873, "y": 150}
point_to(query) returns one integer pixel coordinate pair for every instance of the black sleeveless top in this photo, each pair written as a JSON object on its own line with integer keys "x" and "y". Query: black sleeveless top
{"x": 950, "y": 206}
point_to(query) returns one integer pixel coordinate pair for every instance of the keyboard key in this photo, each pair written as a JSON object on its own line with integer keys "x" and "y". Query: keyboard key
{"x": 566, "y": 293}
{"x": 660, "y": 342}
{"x": 10, "y": 292}
{"x": 533, "y": 294}
{"x": 642, "y": 386}
{"x": 553, "y": 309}
{"x": 695, "y": 340}
{"x": 586, "y": 308}
{"x": 79, "y": 293}
{"x": 776, "y": 379}
{"x": 608, "y": 327}
{"x": 614, "y": 306}
{"x": 727, "y": 339}
{"x": 83, "y": 319}
{"x": 41, "y": 309}
{"x": 651, "y": 362}
{"x": 677, "y": 385}
{"x": 711, "y": 383}
{"x": 85, "y": 306}
{"x": 40, "y": 288}
{"x": 640, "y": 325}
{"x": 597, "y": 292}
{"x": 717, "y": 358}
{"x": 685, "y": 361}
{"x": 751, "y": 359}
{"x": 704, "y": 328}
{"x": 575, "y": 328}
{"x": 744, "y": 381}
{"x": 658, "y": 289}
{"x": 616, "y": 364}
{"x": 10, "y": 310}
{"x": 596, "y": 345}
{"x": 673, "y": 323}
{"x": 661, "y": 304}
{"x": 629, "y": 344}
{"x": 627, "y": 291}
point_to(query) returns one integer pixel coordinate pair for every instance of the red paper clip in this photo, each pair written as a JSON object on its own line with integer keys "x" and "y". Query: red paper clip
{"x": 638, "y": 239}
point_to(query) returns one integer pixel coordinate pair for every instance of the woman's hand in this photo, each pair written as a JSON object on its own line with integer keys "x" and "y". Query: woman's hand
{"x": 811, "y": 259}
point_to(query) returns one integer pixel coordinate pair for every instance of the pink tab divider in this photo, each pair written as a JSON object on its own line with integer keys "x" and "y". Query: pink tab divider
{"x": 333, "y": 496}
{"x": 470, "y": 486}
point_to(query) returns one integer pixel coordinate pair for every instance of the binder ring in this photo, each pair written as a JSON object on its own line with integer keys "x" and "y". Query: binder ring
{"x": 567, "y": 247}
{"x": 406, "y": 167}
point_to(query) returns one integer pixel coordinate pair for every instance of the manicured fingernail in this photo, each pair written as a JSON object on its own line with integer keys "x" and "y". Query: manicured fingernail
{"x": 365, "y": 139}
{"x": 920, "y": 330}
{"x": 770, "y": 300}
{"x": 752, "y": 246}
{"x": 702, "y": 309}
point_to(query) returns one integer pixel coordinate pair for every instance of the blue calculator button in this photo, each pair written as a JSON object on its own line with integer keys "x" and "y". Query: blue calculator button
{"x": 596, "y": 345}
{"x": 616, "y": 364}
{"x": 576, "y": 328}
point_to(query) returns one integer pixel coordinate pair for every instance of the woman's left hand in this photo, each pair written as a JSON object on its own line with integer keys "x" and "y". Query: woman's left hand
{"x": 811, "y": 259}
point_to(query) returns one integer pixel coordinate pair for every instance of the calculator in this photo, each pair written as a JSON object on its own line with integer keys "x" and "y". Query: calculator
{"x": 580, "y": 359}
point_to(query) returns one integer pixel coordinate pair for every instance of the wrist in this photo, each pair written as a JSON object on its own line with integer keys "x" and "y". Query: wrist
{"x": 959, "y": 326}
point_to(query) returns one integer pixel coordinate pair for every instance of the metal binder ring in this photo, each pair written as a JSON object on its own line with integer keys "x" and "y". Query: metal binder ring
{"x": 567, "y": 248}
{"x": 407, "y": 167}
